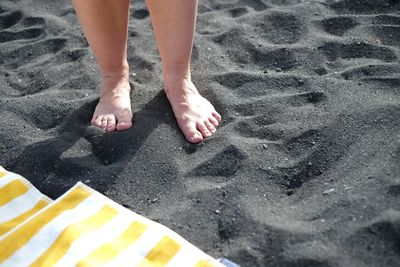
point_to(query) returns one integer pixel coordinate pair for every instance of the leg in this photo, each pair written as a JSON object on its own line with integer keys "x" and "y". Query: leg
{"x": 174, "y": 25}
{"x": 105, "y": 24}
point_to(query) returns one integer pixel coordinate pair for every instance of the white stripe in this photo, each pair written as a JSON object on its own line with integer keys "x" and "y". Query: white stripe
{"x": 19, "y": 205}
{"x": 47, "y": 235}
{"x": 135, "y": 253}
{"x": 8, "y": 178}
{"x": 88, "y": 243}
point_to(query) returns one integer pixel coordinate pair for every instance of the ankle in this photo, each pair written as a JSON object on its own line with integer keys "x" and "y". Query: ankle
{"x": 115, "y": 72}
{"x": 179, "y": 88}
{"x": 115, "y": 85}
{"x": 176, "y": 77}
{"x": 176, "y": 71}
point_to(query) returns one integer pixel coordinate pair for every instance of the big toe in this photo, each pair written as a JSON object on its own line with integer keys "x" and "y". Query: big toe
{"x": 123, "y": 125}
{"x": 191, "y": 133}
{"x": 194, "y": 137}
{"x": 124, "y": 121}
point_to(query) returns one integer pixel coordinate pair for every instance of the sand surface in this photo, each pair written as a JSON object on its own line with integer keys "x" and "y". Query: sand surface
{"x": 305, "y": 169}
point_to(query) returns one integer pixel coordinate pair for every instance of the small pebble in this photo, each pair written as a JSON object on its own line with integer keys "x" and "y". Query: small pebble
{"x": 327, "y": 192}
{"x": 265, "y": 146}
{"x": 290, "y": 191}
{"x": 154, "y": 200}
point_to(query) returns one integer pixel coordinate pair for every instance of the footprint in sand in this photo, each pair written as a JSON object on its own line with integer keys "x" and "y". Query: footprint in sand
{"x": 14, "y": 26}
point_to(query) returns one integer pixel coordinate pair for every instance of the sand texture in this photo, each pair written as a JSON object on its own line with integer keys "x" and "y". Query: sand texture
{"x": 305, "y": 168}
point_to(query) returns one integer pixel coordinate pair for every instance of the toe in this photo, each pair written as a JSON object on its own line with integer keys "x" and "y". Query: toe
{"x": 217, "y": 116}
{"x": 203, "y": 129}
{"x": 122, "y": 125}
{"x": 213, "y": 121}
{"x": 124, "y": 121}
{"x": 210, "y": 126}
{"x": 190, "y": 132}
{"x": 111, "y": 124}
{"x": 103, "y": 124}
{"x": 96, "y": 121}
{"x": 194, "y": 137}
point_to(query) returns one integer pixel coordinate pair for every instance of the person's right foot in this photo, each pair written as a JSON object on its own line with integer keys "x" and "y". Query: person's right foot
{"x": 113, "y": 112}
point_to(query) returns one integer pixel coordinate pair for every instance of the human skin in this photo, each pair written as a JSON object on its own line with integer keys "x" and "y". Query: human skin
{"x": 105, "y": 24}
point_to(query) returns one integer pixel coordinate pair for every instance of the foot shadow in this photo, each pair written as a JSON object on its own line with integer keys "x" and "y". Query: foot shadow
{"x": 45, "y": 165}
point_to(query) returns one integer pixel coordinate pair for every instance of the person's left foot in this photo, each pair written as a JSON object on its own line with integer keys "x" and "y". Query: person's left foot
{"x": 195, "y": 115}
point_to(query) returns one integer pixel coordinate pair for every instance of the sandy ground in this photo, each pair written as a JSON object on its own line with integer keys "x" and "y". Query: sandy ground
{"x": 305, "y": 169}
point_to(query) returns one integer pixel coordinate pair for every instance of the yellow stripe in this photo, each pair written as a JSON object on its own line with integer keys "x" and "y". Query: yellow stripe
{"x": 109, "y": 251}
{"x": 11, "y": 191}
{"x": 64, "y": 241}
{"x": 7, "y": 226}
{"x": 3, "y": 172}
{"x": 17, "y": 239}
{"x": 161, "y": 254}
{"x": 204, "y": 263}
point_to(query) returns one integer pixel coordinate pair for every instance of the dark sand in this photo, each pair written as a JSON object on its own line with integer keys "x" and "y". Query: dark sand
{"x": 305, "y": 169}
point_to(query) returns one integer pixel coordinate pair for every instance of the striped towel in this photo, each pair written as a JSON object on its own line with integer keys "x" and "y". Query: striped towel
{"x": 84, "y": 228}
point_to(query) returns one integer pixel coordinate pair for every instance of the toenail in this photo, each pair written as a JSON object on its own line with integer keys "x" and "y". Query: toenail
{"x": 196, "y": 135}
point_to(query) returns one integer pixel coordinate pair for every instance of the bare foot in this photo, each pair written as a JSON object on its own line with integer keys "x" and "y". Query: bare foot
{"x": 113, "y": 112}
{"x": 195, "y": 115}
